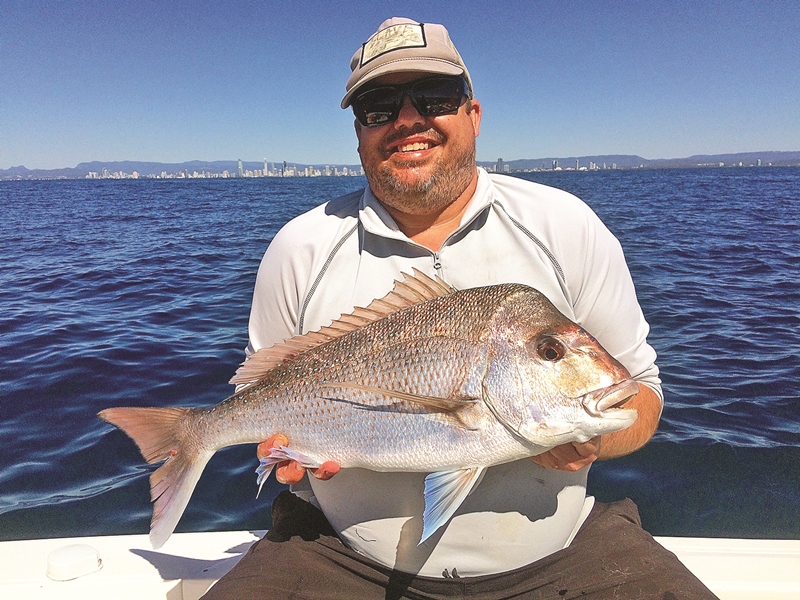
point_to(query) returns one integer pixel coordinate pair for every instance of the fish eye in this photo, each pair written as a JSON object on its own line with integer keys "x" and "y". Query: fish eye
{"x": 550, "y": 349}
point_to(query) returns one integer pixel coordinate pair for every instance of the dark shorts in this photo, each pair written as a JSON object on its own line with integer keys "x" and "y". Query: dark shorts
{"x": 611, "y": 557}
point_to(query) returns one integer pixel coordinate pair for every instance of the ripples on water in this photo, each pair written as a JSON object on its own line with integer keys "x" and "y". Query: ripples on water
{"x": 138, "y": 292}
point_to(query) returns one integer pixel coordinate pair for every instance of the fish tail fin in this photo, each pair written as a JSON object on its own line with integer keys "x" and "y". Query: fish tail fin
{"x": 159, "y": 434}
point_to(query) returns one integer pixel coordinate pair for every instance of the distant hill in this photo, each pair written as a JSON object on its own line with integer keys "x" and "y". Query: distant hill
{"x": 629, "y": 161}
{"x": 608, "y": 161}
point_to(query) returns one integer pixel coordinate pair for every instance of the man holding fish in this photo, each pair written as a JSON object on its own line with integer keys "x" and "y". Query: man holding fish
{"x": 527, "y": 529}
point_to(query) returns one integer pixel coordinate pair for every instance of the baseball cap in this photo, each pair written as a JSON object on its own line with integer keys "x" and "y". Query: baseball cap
{"x": 400, "y": 46}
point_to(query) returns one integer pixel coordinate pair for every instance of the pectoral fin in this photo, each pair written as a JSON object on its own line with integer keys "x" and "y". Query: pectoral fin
{"x": 462, "y": 409}
{"x": 444, "y": 493}
{"x": 277, "y": 455}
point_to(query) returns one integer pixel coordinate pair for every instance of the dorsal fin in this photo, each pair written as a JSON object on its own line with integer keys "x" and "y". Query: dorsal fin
{"x": 411, "y": 290}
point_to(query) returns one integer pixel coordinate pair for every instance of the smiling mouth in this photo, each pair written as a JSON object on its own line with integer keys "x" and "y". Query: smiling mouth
{"x": 415, "y": 147}
{"x": 417, "y": 139}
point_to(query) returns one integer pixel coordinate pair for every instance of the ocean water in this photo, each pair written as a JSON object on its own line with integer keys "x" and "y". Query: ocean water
{"x": 137, "y": 293}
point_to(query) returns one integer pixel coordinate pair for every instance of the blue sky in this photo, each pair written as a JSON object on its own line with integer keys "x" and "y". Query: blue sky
{"x": 220, "y": 80}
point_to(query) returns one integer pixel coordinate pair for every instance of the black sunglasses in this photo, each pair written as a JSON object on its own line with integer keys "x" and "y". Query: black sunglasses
{"x": 431, "y": 97}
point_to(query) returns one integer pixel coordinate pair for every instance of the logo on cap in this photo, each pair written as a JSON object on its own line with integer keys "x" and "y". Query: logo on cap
{"x": 396, "y": 37}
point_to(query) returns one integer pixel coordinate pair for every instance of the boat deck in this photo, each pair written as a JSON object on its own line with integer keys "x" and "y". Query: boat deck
{"x": 189, "y": 563}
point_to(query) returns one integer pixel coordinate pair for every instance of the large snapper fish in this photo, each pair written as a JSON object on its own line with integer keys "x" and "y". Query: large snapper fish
{"x": 426, "y": 379}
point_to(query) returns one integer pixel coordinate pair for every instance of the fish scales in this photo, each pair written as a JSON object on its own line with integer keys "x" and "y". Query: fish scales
{"x": 432, "y": 350}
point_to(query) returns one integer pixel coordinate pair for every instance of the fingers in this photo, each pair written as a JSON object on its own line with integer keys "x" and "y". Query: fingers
{"x": 290, "y": 472}
{"x": 588, "y": 450}
{"x": 570, "y": 457}
{"x": 287, "y": 472}
{"x": 326, "y": 470}
{"x": 276, "y": 441}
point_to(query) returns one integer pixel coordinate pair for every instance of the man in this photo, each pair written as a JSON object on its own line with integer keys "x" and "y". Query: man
{"x": 528, "y": 530}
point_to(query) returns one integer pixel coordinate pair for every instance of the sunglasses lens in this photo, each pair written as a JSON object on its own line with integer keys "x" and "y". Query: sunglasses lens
{"x": 438, "y": 96}
{"x": 431, "y": 97}
{"x": 377, "y": 106}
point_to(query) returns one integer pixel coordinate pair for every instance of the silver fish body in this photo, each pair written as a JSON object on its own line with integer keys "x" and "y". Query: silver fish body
{"x": 426, "y": 379}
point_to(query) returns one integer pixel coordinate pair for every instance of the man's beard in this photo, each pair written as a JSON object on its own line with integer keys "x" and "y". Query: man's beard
{"x": 435, "y": 193}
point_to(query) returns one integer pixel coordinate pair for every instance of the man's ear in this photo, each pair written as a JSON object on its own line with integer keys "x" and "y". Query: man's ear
{"x": 475, "y": 114}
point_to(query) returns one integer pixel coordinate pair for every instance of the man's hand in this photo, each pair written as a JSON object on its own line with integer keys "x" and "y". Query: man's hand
{"x": 570, "y": 457}
{"x": 290, "y": 472}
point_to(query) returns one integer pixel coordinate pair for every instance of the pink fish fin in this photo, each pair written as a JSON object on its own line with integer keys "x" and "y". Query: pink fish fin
{"x": 407, "y": 292}
{"x": 428, "y": 287}
{"x": 444, "y": 493}
{"x": 159, "y": 434}
{"x": 455, "y": 407}
{"x": 280, "y": 454}
{"x": 258, "y": 364}
{"x": 411, "y": 290}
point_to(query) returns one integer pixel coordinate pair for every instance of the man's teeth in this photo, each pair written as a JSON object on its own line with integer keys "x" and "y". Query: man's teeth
{"x": 415, "y": 146}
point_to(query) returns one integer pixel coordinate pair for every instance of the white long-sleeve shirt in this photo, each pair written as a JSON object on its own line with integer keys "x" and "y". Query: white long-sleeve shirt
{"x": 349, "y": 251}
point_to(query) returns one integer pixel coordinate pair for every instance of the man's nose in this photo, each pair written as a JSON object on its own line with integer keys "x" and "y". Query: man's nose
{"x": 409, "y": 116}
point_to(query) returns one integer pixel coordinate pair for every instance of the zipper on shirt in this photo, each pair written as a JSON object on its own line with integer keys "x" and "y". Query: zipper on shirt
{"x": 437, "y": 264}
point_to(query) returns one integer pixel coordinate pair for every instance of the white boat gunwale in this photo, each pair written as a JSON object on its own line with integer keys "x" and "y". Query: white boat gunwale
{"x": 190, "y": 563}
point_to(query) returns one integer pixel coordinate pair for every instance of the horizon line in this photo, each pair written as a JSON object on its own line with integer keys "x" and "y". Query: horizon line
{"x": 294, "y": 163}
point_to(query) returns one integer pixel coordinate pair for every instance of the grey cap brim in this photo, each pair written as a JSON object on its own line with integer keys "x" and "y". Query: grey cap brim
{"x": 409, "y": 65}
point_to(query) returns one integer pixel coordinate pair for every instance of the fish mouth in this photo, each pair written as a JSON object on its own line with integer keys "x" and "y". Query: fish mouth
{"x": 600, "y": 402}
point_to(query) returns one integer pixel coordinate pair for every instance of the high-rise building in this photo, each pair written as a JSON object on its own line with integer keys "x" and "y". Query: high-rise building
{"x": 499, "y": 166}
{"x": 241, "y": 171}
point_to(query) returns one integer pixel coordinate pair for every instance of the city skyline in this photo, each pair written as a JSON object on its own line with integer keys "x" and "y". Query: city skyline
{"x": 269, "y": 170}
{"x": 170, "y": 82}
{"x": 251, "y": 169}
